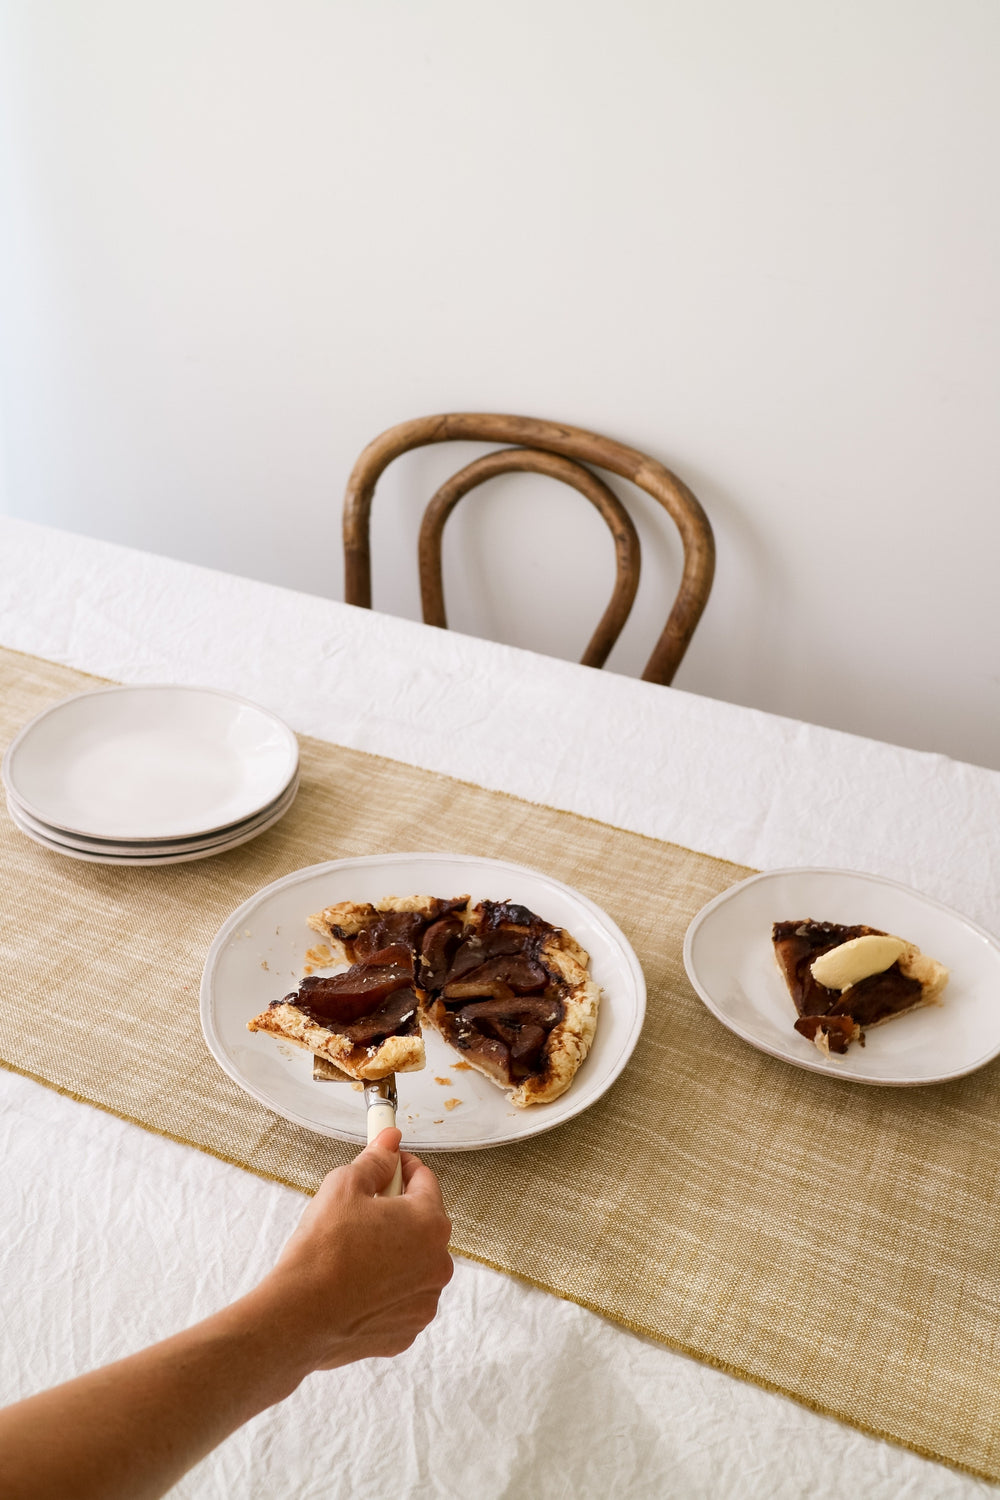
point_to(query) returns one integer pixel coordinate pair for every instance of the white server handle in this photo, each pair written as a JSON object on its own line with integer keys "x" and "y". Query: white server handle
{"x": 382, "y": 1116}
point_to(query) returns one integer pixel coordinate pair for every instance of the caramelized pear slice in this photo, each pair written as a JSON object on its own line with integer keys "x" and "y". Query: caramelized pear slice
{"x": 345, "y": 998}
{"x": 513, "y": 972}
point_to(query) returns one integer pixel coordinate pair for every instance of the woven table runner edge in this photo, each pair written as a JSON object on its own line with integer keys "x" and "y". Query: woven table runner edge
{"x": 564, "y": 812}
{"x": 704, "y": 1357}
{"x": 167, "y": 1135}
{"x": 392, "y": 760}
{"x": 51, "y": 661}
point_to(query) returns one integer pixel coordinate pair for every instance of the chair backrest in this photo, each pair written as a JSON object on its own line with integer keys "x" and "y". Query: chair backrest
{"x": 554, "y": 449}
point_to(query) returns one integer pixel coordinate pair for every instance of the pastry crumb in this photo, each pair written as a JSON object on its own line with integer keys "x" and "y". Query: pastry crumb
{"x": 452, "y": 1103}
{"x": 446, "y": 1082}
{"x": 321, "y": 956}
{"x": 264, "y": 964}
{"x": 438, "y": 1122}
{"x": 461, "y": 1067}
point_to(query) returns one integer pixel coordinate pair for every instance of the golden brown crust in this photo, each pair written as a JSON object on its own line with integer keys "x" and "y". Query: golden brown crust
{"x": 570, "y": 1039}
{"x": 931, "y": 975}
{"x": 567, "y": 1047}
{"x": 395, "y": 1054}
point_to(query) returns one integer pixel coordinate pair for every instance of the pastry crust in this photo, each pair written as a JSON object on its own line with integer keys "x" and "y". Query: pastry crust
{"x": 395, "y": 1054}
{"x": 931, "y": 976}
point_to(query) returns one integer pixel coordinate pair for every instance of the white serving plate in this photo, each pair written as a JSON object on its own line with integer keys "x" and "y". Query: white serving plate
{"x": 259, "y": 953}
{"x": 200, "y": 851}
{"x": 157, "y": 847}
{"x": 729, "y": 958}
{"x": 148, "y": 763}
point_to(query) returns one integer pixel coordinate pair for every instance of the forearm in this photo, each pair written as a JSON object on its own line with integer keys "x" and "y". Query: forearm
{"x": 135, "y": 1427}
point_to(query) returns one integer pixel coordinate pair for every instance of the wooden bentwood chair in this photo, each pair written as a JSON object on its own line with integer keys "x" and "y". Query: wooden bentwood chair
{"x": 559, "y": 451}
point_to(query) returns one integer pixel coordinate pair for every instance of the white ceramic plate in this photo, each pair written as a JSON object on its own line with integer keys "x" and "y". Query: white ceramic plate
{"x": 729, "y": 958}
{"x": 138, "y": 850}
{"x": 259, "y": 953}
{"x": 201, "y": 851}
{"x": 147, "y": 763}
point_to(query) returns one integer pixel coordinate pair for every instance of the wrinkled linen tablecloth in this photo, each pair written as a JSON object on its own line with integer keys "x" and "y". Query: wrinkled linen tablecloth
{"x": 114, "y": 1237}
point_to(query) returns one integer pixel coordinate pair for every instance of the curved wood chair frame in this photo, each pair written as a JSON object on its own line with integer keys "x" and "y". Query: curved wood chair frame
{"x": 536, "y": 444}
{"x": 505, "y": 460}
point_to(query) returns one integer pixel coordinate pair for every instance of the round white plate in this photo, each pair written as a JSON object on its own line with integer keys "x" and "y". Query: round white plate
{"x": 147, "y": 763}
{"x": 259, "y": 953}
{"x": 729, "y": 958}
{"x": 202, "y": 851}
{"x": 139, "y": 850}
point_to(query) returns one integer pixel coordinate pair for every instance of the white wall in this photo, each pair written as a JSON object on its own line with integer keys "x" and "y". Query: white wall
{"x": 759, "y": 241}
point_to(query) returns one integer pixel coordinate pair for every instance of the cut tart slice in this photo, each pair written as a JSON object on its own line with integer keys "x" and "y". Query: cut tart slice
{"x": 846, "y": 979}
{"x": 365, "y": 1020}
{"x": 512, "y": 994}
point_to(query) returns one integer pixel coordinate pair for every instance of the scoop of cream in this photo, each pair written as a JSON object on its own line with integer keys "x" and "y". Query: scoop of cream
{"x": 851, "y": 962}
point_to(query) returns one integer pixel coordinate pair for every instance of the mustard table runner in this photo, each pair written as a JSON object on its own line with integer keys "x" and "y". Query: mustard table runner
{"x": 835, "y": 1242}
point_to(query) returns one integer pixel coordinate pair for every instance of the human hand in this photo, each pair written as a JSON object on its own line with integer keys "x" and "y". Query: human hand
{"x": 362, "y": 1275}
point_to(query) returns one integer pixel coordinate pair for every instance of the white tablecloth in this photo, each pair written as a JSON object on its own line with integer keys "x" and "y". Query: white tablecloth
{"x": 113, "y": 1237}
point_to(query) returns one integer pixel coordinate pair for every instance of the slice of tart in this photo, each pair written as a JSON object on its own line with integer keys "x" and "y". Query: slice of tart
{"x": 365, "y": 1020}
{"x": 845, "y": 979}
{"x": 512, "y": 994}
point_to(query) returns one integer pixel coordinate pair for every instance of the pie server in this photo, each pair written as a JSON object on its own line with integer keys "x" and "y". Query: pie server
{"x": 380, "y": 1104}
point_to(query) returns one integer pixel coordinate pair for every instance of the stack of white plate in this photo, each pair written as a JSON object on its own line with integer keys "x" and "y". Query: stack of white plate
{"x": 150, "y": 775}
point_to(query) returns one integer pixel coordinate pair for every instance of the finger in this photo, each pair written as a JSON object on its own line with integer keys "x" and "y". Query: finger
{"x": 385, "y": 1138}
{"x": 419, "y": 1181}
{"x": 328, "y": 1189}
{"x": 408, "y": 1162}
{"x": 372, "y": 1168}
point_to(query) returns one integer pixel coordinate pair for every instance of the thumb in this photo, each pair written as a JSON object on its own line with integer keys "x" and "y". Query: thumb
{"x": 372, "y": 1168}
